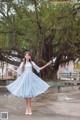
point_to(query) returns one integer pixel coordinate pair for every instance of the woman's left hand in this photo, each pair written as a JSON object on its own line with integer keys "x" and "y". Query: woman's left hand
{"x": 50, "y": 62}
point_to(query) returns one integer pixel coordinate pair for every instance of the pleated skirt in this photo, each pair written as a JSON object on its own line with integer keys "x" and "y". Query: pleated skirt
{"x": 27, "y": 85}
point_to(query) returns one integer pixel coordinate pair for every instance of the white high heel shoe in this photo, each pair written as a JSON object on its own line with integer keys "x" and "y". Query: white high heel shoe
{"x": 26, "y": 113}
{"x": 30, "y": 113}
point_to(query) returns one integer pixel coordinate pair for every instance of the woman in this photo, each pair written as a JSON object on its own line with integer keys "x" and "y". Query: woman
{"x": 28, "y": 84}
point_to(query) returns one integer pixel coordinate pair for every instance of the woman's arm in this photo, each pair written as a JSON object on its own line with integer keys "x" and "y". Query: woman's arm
{"x": 38, "y": 69}
{"x": 12, "y": 69}
{"x": 46, "y": 65}
{"x": 18, "y": 70}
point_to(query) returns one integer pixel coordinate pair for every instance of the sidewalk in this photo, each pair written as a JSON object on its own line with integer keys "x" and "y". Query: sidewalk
{"x": 47, "y": 106}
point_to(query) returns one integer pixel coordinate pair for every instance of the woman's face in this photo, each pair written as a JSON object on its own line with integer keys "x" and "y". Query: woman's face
{"x": 27, "y": 56}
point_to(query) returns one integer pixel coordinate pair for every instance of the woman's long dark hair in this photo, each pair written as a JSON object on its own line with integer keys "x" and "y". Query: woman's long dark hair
{"x": 24, "y": 61}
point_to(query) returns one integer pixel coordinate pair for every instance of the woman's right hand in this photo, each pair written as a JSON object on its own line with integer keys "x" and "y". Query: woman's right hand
{"x": 12, "y": 69}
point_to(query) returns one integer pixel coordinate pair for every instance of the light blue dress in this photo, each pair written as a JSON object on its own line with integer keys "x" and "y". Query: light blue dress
{"x": 28, "y": 84}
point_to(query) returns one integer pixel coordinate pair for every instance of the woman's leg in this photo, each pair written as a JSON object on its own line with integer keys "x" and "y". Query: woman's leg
{"x": 29, "y": 105}
{"x": 26, "y": 99}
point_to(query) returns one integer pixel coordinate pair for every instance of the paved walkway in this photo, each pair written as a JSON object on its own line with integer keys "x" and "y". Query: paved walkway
{"x": 47, "y": 106}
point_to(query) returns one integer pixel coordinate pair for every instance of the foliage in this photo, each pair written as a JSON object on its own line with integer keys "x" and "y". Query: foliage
{"x": 46, "y": 29}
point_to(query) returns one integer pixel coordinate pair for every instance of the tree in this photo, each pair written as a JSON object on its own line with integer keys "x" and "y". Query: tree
{"x": 42, "y": 28}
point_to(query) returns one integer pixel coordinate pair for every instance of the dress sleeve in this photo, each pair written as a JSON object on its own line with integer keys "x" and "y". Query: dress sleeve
{"x": 19, "y": 70}
{"x": 37, "y": 68}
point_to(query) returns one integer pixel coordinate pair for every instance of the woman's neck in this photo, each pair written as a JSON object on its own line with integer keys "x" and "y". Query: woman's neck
{"x": 27, "y": 59}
